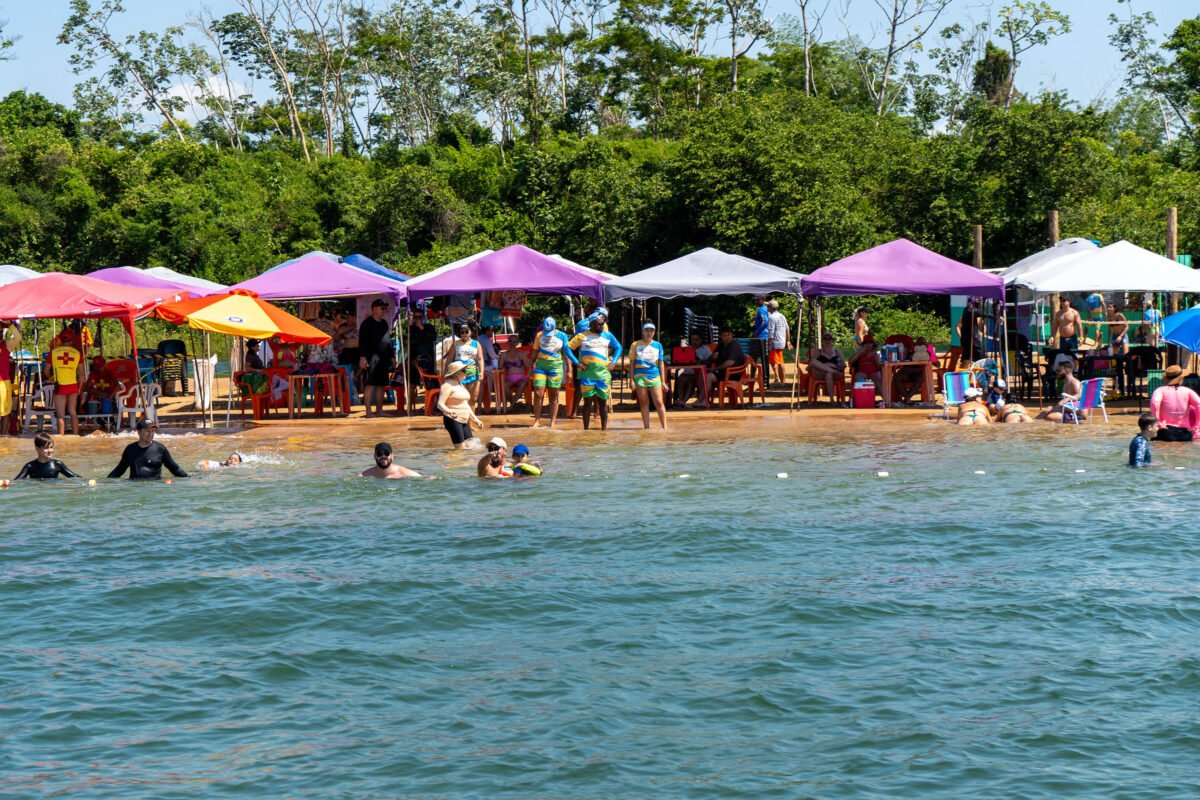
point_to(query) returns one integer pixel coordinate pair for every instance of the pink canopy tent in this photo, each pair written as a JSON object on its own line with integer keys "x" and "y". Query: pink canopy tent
{"x": 514, "y": 267}
{"x": 130, "y": 276}
{"x": 901, "y": 267}
{"x": 320, "y": 276}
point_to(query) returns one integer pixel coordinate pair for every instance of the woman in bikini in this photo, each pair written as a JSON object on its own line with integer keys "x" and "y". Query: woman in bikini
{"x": 973, "y": 411}
{"x": 827, "y": 363}
{"x": 516, "y": 371}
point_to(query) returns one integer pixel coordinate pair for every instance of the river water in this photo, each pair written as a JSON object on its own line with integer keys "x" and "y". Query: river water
{"x": 614, "y": 629}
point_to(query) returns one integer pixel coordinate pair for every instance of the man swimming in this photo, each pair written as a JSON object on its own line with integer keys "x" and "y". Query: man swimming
{"x": 145, "y": 458}
{"x": 385, "y": 466}
{"x": 44, "y": 467}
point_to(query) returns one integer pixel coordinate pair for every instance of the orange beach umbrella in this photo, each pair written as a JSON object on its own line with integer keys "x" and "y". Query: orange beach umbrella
{"x": 241, "y": 313}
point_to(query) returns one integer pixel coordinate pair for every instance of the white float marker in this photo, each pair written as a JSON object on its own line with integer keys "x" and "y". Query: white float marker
{"x": 882, "y": 474}
{"x": 980, "y": 472}
{"x": 685, "y": 475}
{"x": 781, "y": 475}
{"x": 1080, "y": 471}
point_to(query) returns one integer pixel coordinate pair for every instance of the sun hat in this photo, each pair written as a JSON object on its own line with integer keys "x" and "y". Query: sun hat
{"x": 1173, "y": 376}
{"x": 496, "y": 440}
{"x": 520, "y": 450}
{"x": 454, "y": 367}
{"x": 971, "y": 392}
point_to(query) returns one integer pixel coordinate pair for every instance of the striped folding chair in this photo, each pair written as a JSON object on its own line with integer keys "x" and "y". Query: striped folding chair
{"x": 954, "y": 389}
{"x": 1091, "y": 397}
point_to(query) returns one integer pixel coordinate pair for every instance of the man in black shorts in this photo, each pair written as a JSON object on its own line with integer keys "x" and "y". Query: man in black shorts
{"x": 375, "y": 356}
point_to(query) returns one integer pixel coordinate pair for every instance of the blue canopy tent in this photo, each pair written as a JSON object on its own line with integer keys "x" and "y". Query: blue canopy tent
{"x": 369, "y": 265}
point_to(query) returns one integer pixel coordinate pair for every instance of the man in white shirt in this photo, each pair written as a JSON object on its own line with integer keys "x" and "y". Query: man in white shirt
{"x": 778, "y": 338}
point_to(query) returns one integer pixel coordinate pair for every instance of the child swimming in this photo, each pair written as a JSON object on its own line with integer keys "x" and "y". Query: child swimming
{"x": 522, "y": 467}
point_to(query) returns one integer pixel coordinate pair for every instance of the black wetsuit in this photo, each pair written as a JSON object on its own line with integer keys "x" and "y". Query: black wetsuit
{"x": 146, "y": 463}
{"x": 37, "y": 471}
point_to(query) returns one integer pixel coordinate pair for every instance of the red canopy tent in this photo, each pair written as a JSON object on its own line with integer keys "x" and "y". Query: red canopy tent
{"x": 57, "y": 295}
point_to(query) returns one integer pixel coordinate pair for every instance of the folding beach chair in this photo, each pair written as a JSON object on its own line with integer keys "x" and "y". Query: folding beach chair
{"x": 1091, "y": 397}
{"x": 954, "y": 389}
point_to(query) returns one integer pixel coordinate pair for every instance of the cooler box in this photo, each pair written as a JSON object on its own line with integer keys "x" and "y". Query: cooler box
{"x": 864, "y": 394}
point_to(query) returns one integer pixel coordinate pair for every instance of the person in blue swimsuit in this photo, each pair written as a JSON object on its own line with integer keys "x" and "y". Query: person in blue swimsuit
{"x": 598, "y": 351}
{"x": 1097, "y": 315}
{"x": 1139, "y": 448}
{"x": 648, "y": 373}
{"x": 550, "y": 370}
{"x": 467, "y": 350}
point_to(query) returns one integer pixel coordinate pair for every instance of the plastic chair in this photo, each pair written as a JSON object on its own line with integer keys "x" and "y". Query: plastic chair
{"x": 1091, "y": 396}
{"x": 431, "y": 395}
{"x": 754, "y": 378}
{"x": 45, "y": 393}
{"x": 816, "y": 384}
{"x": 732, "y": 384}
{"x": 140, "y": 399}
{"x": 954, "y": 389}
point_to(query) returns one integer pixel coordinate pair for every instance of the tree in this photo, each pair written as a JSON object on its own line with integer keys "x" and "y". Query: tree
{"x": 810, "y": 26}
{"x": 6, "y": 42}
{"x": 1147, "y": 69}
{"x": 878, "y": 67}
{"x": 746, "y": 25}
{"x": 993, "y": 75}
{"x": 142, "y": 65}
{"x": 1025, "y": 25}
{"x": 1182, "y": 83}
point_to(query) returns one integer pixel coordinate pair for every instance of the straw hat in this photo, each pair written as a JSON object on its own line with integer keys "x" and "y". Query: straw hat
{"x": 1173, "y": 376}
{"x": 454, "y": 367}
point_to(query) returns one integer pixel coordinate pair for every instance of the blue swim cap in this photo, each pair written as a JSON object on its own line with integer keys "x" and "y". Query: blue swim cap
{"x": 601, "y": 310}
{"x": 548, "y": 324}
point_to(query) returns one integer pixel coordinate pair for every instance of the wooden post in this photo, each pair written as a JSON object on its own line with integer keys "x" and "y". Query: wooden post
{"x": 978, "y": 234}
{"x": 1173, "y": 254}
{"x": 1054, "y": 301}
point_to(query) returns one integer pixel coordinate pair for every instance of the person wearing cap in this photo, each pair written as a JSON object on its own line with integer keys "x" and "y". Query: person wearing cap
{"x": 375, "y": 356}
{"x": 1176, "y": 407}
{"x": 593, "y": 311}
{"x": 145, "y": 458}
{"x": 778, "y": 338}
{"x": 973, "y": 411}
{"x": 522, "y": 466}
{"x": 386, "y": 466}
{"x": 64, "y": 365}
{"x": 494, "y": 463}
{"x": 648, "y": 372}
{"x": 454, "y": 402}
{"x": 253, "y": 359}
{"x": 467, "y": 351}
{"x": 598, "y": 351}
{"x": 1072, "y": 390}
{"x": 550, "y": 370}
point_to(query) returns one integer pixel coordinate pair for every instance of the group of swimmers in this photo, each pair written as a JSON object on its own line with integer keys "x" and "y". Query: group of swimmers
{"x": 143, "y": 459}
{"x": 986, "y": 405}
{"x": 495, "y": 463}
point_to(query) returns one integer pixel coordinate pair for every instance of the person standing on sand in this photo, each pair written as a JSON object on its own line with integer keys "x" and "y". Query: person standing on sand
{"x": 598, "y": 351}
{"x": 375, "y": 356}
{"x": 778, "y": 338}
{"x": 648, "y": 373}
{"x": 385, "y": 466}
{"x": 1067, "y": 325}
{"x": 551, "y": 370}
{"x": 454, "y": 403}
{"x": 861, "y": 328}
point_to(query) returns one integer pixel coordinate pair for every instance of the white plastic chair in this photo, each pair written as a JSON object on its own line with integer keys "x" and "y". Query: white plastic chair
{"x": 143, "y": 400}
{"x": 45, "y": 393}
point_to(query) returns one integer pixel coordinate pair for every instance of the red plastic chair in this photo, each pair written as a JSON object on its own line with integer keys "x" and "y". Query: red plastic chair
{"x": 731, "y": 385}
{"x": 431, "y": 395}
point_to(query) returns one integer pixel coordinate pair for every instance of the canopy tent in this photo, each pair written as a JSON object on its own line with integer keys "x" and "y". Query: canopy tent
{"x": 130, "y": 276}
{"x": 704, "y": 273}
{"x": 205, "y": 286}
{"x": 57, "y": 295}
{"x": 241, "y": 313}
{"x": 1050, "y": 258}
{"x": 320, "y": 276}
{"x": 1119, "y": 267}
{"x": 11, "y": 273}
{"x": 360, "y": 261}
{"x": 901, "y": 267}
{"x": 514, "y": 267}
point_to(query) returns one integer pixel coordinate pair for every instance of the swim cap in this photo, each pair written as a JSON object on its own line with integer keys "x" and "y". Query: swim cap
{"x": 600, "y": 312}
{"x": 520, "y": 450}
{"x": 549, "y": 325}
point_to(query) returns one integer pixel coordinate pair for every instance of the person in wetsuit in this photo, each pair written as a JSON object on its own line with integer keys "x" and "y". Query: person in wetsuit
{"x": 44, "y": 468}
{"x": 145, "y": 458}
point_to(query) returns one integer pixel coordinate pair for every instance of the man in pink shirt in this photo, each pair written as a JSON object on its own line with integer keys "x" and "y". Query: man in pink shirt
{"x": 1176, "y": 407}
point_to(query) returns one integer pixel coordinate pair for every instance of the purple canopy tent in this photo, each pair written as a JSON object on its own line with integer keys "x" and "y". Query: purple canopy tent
{"x": 319, "y": 276}
{"x": 131, "y": 276}
{"x": 514, "y": 267}
{"x": 901, "y": 267}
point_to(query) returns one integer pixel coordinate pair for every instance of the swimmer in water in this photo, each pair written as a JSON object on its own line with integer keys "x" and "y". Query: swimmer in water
{"x": 493, "y": 465}
{"x": 522, "y": 467}
{"x": 44, "y": 467}
{"x": 235, "y": 460}
{"x": 385, "y": 468}
{"x": 146, "y": 458}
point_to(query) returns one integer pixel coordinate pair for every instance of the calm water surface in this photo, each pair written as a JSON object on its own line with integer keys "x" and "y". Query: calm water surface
{"x": 614, "y": 629}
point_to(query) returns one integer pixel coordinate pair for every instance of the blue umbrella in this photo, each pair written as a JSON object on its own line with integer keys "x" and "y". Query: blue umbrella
{"x": 369, "y": 265}
{"x": 1183, "y": 329}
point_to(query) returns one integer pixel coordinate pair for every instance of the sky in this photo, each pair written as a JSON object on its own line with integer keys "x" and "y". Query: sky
{"x": 1082, "y": 63}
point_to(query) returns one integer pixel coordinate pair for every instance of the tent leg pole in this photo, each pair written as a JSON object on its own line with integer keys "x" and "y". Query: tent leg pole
{"x": 796, "y": 359}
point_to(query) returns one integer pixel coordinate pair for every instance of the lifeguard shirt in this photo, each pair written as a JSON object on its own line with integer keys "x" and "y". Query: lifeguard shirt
{"x": 65, "y": 359}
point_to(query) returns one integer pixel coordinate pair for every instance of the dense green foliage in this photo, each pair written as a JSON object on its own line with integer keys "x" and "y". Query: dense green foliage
{"x": 439, "y": 134}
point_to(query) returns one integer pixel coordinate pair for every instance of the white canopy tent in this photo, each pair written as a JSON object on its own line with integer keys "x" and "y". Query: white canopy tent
{"x": 1119, "y": 267}
{"x": 11, "y": 273}
{"x": 704, "y": 273}
{"x": 1050, "y": 258}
